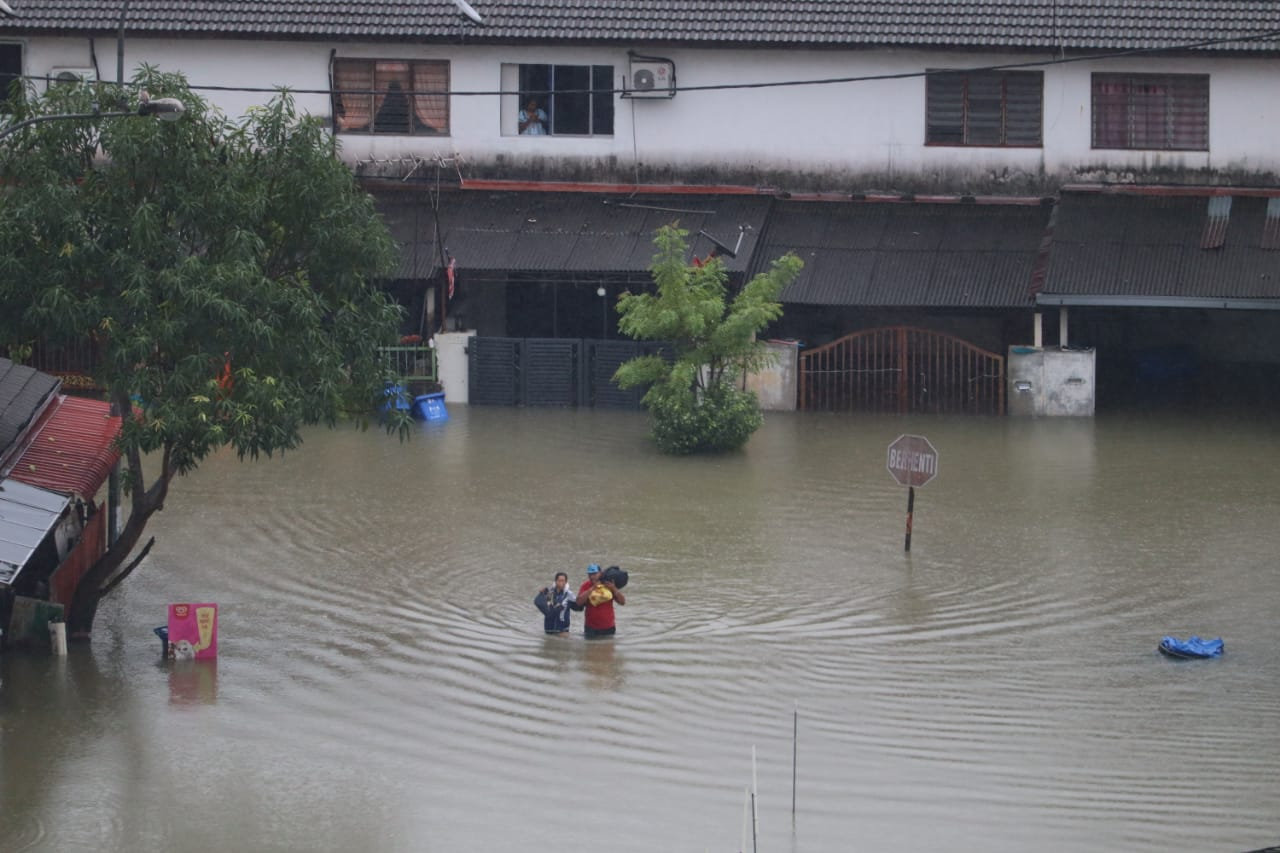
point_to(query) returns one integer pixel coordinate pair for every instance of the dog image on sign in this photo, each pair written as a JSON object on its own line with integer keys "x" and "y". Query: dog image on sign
{"x": 193, "y": 631}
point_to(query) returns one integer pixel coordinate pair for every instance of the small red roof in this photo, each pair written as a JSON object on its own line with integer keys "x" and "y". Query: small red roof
{"x": 73, "y": 449}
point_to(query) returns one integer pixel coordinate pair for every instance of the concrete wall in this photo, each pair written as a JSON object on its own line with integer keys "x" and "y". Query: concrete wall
{"x": 451, "y": 361}
{"x": 1054, "y": 382}
{"x": 775, "y": 385}
{"x": 872, "y": 131}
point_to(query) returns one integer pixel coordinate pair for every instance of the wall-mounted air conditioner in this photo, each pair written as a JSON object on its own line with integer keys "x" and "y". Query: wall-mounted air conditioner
{"x": 650, "y": 77}
{"x": 71, "y": 76}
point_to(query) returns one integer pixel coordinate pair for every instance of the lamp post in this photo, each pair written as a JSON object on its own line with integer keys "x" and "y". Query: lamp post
{"x": 165, "y": 109}
{"x": 604, "y": 312}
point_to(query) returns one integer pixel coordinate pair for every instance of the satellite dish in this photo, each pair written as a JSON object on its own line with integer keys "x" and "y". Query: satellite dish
{"x": 463, "y": 6}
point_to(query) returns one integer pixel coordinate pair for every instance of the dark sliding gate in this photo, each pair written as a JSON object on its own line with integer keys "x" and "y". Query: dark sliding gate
{"x": 902, "y": 370}
{"x": 551, "y": 371}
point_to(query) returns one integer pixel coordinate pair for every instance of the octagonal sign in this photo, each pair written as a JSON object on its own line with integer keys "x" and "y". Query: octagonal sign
{"x": 913, "y": 461}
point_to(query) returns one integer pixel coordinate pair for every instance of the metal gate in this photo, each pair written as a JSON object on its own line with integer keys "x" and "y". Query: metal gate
{"x": 902, "y": 370}
{"x": 551, "y": 371}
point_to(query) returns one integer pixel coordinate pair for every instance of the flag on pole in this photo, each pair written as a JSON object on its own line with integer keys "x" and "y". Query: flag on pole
{"x": 449, "y": 274}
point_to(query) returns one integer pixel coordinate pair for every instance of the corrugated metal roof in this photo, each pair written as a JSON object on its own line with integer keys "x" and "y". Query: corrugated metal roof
{"x": 1066, "y": 24}
{"x": 1111, "y": 245}
{"x": 908, "y": 253}
{"x": 27, "y": 514}
{"x": 490, "y": 233}
{"x": 24, "y": 394}
{"x": 73, "y": 449}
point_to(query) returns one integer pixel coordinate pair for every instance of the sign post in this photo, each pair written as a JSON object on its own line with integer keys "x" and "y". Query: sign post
{"x": 912, "y": 461}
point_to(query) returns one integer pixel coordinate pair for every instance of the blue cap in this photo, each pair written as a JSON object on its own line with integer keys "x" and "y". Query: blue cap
{"x": 592, "y": 569}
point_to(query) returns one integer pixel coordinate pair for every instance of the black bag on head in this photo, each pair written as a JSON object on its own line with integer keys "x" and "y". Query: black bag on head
{"x": 615, "y": 574}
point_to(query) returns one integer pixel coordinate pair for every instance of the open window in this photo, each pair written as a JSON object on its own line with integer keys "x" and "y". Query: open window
{"x": 10, "y": 75}
{"x": 557, "y": 100}
{"x": 400, "y": 97}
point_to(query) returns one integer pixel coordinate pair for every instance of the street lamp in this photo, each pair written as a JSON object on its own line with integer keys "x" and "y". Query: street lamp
{"x": 165, "y": 109}
{"x": 604, "y": 312}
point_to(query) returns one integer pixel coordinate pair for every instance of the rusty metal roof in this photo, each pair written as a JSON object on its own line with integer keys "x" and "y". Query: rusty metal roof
{"x": 1150, "y": 248}
{"x": 1042, "y": 24}
{"x": 864, "y": 253}
{"x": 72, "y": 450}
{"x": 564, "y": 233}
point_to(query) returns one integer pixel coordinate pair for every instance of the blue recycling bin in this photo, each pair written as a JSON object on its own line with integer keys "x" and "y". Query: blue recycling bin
{"x": 430, "y": 407}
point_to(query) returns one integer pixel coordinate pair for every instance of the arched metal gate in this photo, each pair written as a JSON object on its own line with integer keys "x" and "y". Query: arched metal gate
{"x": 902, "y": 370}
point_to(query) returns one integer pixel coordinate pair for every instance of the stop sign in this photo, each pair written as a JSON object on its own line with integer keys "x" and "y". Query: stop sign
{"x": 913, "y": 461}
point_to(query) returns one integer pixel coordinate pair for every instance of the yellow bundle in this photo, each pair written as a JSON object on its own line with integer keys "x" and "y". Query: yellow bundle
{"x": 599, "y": 595}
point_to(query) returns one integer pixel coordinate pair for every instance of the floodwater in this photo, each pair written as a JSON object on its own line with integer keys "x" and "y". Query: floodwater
{"x": 384, "y": 684}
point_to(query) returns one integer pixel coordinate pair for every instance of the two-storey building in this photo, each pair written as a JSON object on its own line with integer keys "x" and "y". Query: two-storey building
{"x": 961, "y": 167}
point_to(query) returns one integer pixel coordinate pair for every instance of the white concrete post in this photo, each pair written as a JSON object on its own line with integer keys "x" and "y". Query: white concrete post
{"x": 1037, "y": 331}
{"x": 1062, "y": 326}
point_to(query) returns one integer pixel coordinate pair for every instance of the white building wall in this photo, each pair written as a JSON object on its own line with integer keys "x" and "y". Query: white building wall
{"x": 873, "y": 129}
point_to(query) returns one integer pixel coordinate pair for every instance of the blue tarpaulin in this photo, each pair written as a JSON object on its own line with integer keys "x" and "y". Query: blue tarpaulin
{"x": 1192, "y": 647}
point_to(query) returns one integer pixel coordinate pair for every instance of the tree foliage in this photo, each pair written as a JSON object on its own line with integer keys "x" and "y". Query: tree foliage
{"x": 693, "y": 393}
{"x": 179, "y": 249}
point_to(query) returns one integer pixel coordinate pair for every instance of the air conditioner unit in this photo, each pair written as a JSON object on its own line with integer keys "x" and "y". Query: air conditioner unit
{"x": 651, "y": 78}
{"x": 71, "y": 76}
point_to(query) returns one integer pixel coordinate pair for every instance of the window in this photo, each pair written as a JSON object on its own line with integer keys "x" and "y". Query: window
{"x": 1164, "y": 112}
{"x": 10, "y": 73}
{"x": 385, "y": 96}
{"x": 576, "y": 100}
{"x": 992, "y": 108}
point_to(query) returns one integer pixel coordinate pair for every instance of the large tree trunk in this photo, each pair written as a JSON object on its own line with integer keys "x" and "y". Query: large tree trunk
{"x": 110, "y": 569}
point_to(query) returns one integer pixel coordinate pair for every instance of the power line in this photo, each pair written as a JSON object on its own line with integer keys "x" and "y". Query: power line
{"x": 774, "y": 84}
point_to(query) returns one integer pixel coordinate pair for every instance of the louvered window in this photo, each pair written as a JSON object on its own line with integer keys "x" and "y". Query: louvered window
{"x": 988, "y": 108}
{"x": 1161, "y": 112}
{"x": 391, "y": 96}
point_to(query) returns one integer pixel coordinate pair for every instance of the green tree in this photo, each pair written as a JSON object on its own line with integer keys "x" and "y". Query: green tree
{"x": 180, "y": 248}
{"x": 694, "y": 397}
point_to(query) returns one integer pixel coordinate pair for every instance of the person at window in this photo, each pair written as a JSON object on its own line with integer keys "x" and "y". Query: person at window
{"x": 533, "y": 121}
{"x": 393, "y": 115}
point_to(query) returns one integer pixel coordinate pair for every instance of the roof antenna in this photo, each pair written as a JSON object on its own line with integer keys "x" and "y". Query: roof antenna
{"x": 463, "y": 6}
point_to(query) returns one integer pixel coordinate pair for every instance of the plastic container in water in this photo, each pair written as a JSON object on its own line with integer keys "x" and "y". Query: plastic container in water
{"x": 396, "y": 397}
{"x": 430, "y": 407}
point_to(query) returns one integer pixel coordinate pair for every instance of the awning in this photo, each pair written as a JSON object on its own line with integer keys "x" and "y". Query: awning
{"x": 908, "y": 254}
{"x": 73, "y": 449}
{"x": 1164, "y": 250}
{"x": 27, "y": 514}
{"x": 492, "y": 234}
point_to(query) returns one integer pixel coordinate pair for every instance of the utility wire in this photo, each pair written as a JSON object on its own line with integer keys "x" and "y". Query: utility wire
{"x": 774, "y": 84}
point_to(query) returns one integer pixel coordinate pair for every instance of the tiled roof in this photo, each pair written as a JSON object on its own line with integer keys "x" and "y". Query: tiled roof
{"x": 907, "y": 254}
{"x": 1067, "y": 24}
{"x": 1144, "y": 246}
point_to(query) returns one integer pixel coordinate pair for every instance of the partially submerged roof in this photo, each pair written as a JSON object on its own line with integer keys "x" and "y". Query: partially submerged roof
{"x": 908, "y": 254}
{"x": 27, "y": 514}
{"x": 1177, "y": 247}
{"x": 492, "y": 234}
{"x": 1052, "y": 24}
{"x": 24, "y": 393}
{"x": 73, "y": 449}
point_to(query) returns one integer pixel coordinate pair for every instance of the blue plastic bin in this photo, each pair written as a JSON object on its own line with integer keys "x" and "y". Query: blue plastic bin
{"x": 430, "y": 407}
{"x": 396, "y": 397}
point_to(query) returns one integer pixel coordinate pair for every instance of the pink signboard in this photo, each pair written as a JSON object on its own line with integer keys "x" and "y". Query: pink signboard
{"x": 193, "y": 631}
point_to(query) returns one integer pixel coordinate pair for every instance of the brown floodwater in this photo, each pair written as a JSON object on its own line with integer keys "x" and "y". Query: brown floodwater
{"x": 384, "y": 683}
